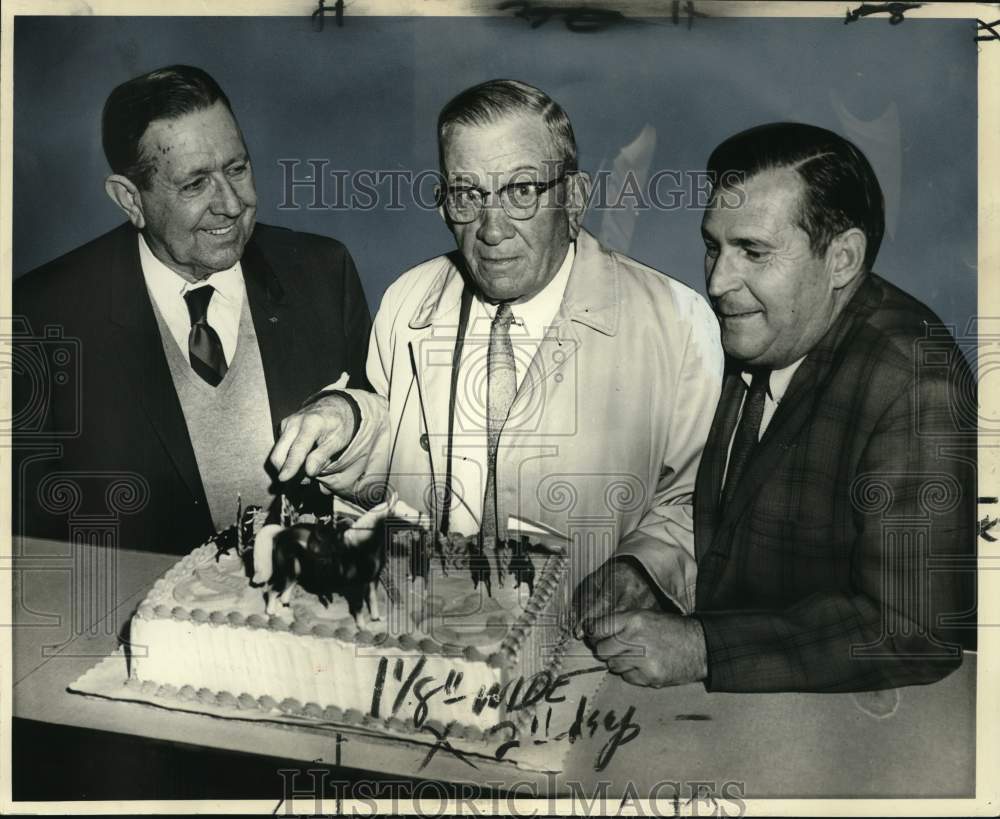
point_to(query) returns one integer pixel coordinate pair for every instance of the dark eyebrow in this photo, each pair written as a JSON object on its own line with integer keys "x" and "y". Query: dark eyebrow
{"x": 758, "y": 242}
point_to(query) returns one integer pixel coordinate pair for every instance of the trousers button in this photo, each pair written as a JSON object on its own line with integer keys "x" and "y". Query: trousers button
{"x": 425, "y": 443}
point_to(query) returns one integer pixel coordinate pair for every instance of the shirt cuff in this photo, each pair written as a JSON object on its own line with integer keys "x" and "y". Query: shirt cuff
{"x": 355, "y": 411}
{"x": 671, "y": 569}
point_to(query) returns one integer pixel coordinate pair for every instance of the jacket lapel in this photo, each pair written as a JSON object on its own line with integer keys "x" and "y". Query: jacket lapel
{"x": 708, "y": 485}
{"x": 435, "y": 324}
{"x": 591, "y": 299}
{"x": 280, "y": 330}
{"x": 797, "y": 406}
{"x": 146, "y": 374}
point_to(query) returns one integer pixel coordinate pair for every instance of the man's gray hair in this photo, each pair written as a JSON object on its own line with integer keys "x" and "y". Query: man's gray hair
{"x": 488, "y": 102}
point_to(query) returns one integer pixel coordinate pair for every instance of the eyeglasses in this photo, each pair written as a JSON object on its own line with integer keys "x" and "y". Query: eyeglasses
{"x": 519, "y": 200}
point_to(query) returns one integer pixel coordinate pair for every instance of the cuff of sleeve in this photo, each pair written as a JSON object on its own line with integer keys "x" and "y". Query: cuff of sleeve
{"x": 672, "y": 570}
{"x": 355, "y": 411}
{"x": 708, "y": 634}
{"x": 346, "y": 471}
{"x": 734, "y": 665}
{"x": 336, "y": 386}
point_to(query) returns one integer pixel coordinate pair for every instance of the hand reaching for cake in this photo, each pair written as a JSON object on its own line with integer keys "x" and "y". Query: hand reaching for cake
{"x": 618, "y": 585}
{"x": 312, "y": 437}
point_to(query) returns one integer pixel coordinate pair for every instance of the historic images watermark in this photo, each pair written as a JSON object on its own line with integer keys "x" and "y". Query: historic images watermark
{"x": 317, "y": 184}
{"x": 316, "y": 792}
{"x": 43, "y": 365}
{"x": 914, "y": 510}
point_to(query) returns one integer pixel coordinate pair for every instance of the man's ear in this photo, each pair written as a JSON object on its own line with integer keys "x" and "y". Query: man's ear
{"x": 439, "y": 195}
{"x": 846, "y": 256}
{"x": 125, "y": 194}
{"x": 578, "y": 186}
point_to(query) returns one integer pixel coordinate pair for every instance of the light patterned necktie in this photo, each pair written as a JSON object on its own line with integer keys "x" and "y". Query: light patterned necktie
{"x": 501, "y": 386}
{"x": 204, "y": 347}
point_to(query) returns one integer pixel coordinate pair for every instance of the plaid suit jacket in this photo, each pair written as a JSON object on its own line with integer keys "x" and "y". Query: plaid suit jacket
{"x": 846, "y": 559}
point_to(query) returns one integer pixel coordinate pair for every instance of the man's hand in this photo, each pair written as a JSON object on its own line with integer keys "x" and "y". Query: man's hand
{"x": 652, "y": 648}
{"x": 618, "y": 585}
{"x": 312, "y": 436}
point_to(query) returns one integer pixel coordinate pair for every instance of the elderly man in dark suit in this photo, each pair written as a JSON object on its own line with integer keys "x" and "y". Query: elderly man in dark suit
{"x": 835, "y": 501}
{"x": 196, "y": 329}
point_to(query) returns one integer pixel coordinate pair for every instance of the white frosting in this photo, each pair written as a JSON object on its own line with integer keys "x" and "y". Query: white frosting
{"x": 263, "y": 662}
{"x": 203, "y": 626}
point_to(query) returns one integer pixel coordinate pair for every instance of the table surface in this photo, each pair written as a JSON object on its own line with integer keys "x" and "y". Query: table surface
{"x": 72, "y": 601}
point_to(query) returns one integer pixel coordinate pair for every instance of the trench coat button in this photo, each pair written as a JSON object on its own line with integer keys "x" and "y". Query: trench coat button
{"x": 425, "y": 443}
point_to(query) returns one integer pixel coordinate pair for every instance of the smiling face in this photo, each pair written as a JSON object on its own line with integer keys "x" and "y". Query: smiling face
{"x": 773, "y": 297}
{"x": 508, "y": 259}
{"x": 201, "y": 204}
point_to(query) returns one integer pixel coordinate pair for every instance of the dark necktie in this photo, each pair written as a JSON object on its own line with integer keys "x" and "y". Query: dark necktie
{"x": 204, "y": 347}
{"x": 747, "y": 432}
{"x": 501, "y": 385}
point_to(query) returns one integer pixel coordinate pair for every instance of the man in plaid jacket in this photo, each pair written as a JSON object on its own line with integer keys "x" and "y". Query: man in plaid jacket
{"x": 835, "y": 501}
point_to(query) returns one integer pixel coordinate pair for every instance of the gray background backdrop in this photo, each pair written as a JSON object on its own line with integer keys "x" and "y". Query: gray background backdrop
{"x": 366, "y": 96}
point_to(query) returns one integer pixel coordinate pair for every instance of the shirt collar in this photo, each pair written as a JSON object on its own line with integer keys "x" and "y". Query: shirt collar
{"x": 165, "y": 283}
{"x": 538, "y": 312}
{"x": 777, "y": 384}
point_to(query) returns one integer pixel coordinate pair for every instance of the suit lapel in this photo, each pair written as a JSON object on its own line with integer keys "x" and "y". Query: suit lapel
{"x": 791, "y": 415}
{"x": 281, "y": 328}
{"x": 146, "y": 375}
{"x": 797, "y": 406}
{"x": 708, "y": 485}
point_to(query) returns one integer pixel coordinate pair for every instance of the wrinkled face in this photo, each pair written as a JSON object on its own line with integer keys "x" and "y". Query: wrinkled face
{"x": 508, "y": 259}
{"x": 200, "y": 208}
{"x": 774, "y": 299}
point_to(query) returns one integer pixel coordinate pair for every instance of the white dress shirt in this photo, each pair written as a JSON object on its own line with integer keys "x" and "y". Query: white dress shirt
{"x": 531, "y": 318}
{"x": 777, "y": 386}
{"x": 167, "y": 288}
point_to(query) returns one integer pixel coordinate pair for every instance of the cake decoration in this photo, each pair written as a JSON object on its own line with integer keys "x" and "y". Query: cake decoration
{"x": 240, "y": 535}
{"x": 305, "y": 613}
{"x": 325, "y": 557}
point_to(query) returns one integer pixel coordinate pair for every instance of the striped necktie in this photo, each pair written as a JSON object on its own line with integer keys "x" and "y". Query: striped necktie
{"x": 500, "y": 389}
{"x": 204, "y": 346}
